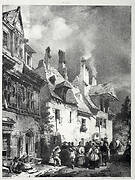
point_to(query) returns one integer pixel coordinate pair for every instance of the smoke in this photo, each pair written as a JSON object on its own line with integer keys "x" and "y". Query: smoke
{"x": 93, "y": 66}
{"x": 49, "y": 30}
{"x": 45, "y": 28}
{"x": 101, "y": 34}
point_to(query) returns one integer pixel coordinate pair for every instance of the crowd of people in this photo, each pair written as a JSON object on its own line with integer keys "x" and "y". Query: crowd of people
{"x": 91, "y": 155}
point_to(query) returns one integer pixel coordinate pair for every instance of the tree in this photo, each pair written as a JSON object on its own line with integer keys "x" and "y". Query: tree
{"x": 122, "y": 122}
{"x": 46, "y": 128}
{"x": 126, "y": 110}
{"x": 126, "y": 113}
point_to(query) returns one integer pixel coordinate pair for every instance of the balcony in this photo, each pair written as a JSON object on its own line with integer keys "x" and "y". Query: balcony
{"x": 19, "y": 108}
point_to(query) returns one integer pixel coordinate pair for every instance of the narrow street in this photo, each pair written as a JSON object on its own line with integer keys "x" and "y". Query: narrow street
{"x": 66, "y": 90}
{"x": 115, "y": 169}
{"x": 112, "y": 170}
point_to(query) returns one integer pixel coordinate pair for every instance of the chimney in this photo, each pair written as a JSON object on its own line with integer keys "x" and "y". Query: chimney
{"x": 61, "y": 55}
{"x": 62, "y": 64}
{"x": 47, "y": 57}
{"x": 18, "y": 8}
{"x": 94, "y": 80}
{"x": 82, "y": 68}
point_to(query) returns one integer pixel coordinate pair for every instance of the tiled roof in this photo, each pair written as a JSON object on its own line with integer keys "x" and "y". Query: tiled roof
{"x": 103, "y": 89}
{"x": 70, "y": 97}
{"x": 53, "y": 94}
{"x": 11, "y": 16}
{"x": 80, "y": 101}
{"x": 52, "y": 71}
{"x": 32, "y": 73}
{"x": 94, "y": 109}
{"x": 29, "y": 48}
{"x": 75, "y": 82}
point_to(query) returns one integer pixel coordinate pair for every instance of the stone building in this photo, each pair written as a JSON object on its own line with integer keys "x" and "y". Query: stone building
{"x": 73, "y": 111}
{"x": 20, "y": 91}
{"x": 41, "y": 104}
{"x": 68, "y": 113}
{"x": 98, "y": 98}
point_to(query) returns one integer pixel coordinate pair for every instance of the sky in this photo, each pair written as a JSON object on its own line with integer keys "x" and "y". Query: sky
{"x": 100, "y": 33}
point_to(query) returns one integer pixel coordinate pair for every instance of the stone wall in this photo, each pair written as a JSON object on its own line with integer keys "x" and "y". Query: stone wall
{"x": 23, "y": 124}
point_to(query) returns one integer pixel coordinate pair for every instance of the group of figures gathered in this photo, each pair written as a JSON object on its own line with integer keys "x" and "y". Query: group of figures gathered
{"x": 93, "y": 154}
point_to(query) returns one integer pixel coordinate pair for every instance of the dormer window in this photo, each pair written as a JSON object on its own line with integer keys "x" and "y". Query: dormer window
{"x": 61, "y": 89}
{"x": 28, "y": 60}
{"x": 52, "y": 79}
{"x": 28, "y": 55}
{"x": 83, "y": 126}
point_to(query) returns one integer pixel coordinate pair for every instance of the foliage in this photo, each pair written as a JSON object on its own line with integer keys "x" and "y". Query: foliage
{"x": 46, "y": 126}
{"x": 122, "y": 122}
{"x": 126, "y": 110}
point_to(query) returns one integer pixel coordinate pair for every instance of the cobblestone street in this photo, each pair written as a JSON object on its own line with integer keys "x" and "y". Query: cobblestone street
{"x": 116, "y": 169}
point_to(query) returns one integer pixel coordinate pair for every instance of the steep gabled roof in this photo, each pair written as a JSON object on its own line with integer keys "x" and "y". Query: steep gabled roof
{"x": 75, "y": 82}
{"x": 29, "y": 48}
{"x": 52, "y": 71}
{"x": 53, "y": 94}
{"x": 105, "y": 89}
{"x": 33, "y": 75}
{"x": 13, "y": 17}
{"x": 94, "y": 109}
{"x": 80, "y": 101}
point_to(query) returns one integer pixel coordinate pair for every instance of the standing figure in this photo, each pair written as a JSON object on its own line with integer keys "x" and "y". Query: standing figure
{"x": 105, "y": 150}
{"x": 113, "y": 150}
{"x": 118, "y": 145}
{"x": 127, "y": 153}
{"x": 101, "y": 151}
{"x": 72, "y": 157}
{"x": 56, "y": 154}
{"x": 86, "y": 147}
{"x": 80, "y": 155}
{"x": 64, "y": 154}
{"x": 93, "y": 155}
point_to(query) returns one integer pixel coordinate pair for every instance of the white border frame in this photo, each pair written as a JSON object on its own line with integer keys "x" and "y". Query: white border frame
{"x": 92, "y": 3}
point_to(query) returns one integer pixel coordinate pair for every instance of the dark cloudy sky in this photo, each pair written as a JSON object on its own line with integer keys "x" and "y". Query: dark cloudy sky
{"x": 102, "y": 32}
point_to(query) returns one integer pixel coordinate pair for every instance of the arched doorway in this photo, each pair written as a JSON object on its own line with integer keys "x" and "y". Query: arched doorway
{"x": 29, "y": 142}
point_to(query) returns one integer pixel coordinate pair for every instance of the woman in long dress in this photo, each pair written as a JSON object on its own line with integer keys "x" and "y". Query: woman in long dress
{"x": 93, "y": 155}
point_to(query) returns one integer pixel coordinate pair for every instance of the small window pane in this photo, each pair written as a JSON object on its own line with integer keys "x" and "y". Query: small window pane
{"x": 28, "y": 60}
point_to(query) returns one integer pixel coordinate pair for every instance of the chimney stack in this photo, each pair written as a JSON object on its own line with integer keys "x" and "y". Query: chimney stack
{"x": 82, "y": 68}
{"x": 62, "y": 64}
{"x": 18, "y": 8}
{"x": 61, "y": 55}
{"x": 47, "y": 56}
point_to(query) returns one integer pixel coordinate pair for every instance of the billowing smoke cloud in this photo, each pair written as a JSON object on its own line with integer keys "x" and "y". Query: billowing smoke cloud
{"x": 93, "y": 66}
